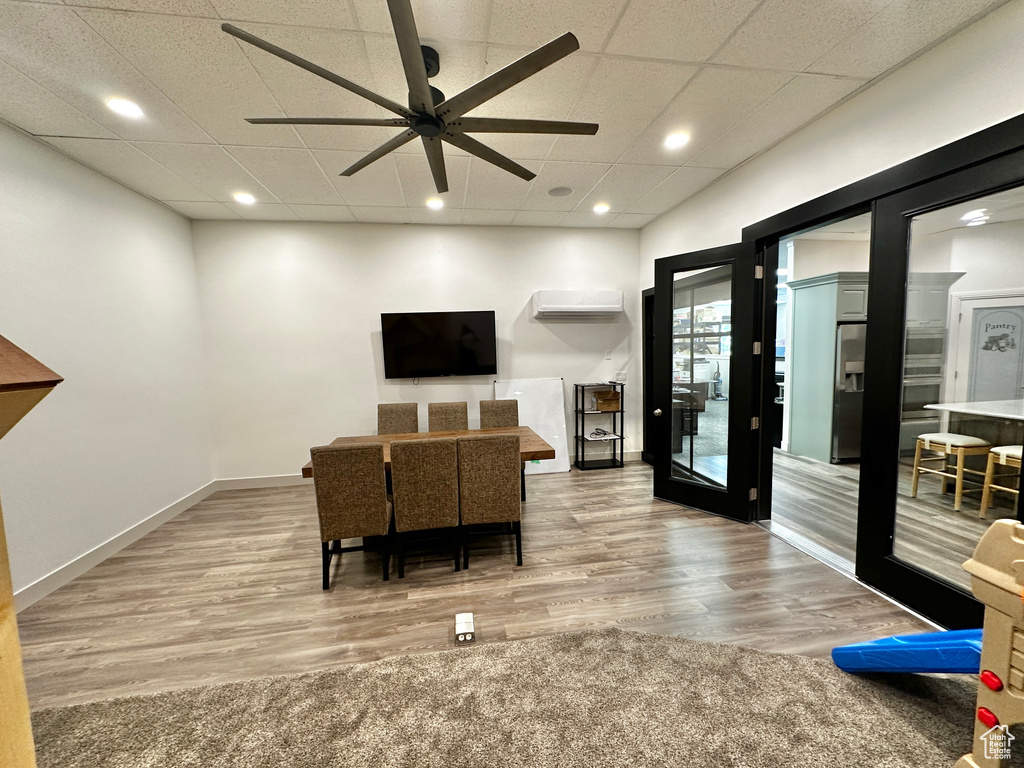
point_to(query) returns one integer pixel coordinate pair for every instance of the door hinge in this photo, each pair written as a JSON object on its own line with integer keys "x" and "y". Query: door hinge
{"x": 758, "y": 272}
{"x": 753, "y": 494}
{"x": 757, "y": 347}
{"x": 755, "y": 423}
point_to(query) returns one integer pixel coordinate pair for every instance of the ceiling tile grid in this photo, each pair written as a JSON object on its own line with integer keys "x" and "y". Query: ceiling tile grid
{"x": 736, "y": 75}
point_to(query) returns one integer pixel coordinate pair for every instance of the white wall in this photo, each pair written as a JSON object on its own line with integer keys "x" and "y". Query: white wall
{"x": 99, "y": 284}
{"x": 970, "y": 82}
{"x": 824, "y": 257}
{"x": 292, "y": 320}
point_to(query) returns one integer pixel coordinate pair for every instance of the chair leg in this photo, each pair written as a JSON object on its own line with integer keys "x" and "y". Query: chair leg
{"x": 960, "y": 458}
{"x": 519, "y": 542}
{"x": 465, "y": 547}
{"x": 522, "y": 482}
{"x": 917, "y": 470}
{"x": 385, "y": 556}
{"x": 401, "y": 555}
{"x": 986, "y": 493}
{"x": 325, "y": 556}
{"x": 458, "y": 554}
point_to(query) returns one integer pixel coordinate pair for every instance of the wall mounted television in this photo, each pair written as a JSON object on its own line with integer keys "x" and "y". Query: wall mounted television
{"x": 424, "y": 344}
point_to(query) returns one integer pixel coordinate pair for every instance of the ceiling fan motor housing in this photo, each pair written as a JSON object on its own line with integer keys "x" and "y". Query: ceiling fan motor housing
{"x": 428, "y": 126}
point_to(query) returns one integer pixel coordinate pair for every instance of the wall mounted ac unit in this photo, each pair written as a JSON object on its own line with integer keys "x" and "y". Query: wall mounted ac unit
{"x": 576, "y": 303}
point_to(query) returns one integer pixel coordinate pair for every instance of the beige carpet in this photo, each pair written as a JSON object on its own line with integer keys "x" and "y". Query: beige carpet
{"x": 601, "y": 699}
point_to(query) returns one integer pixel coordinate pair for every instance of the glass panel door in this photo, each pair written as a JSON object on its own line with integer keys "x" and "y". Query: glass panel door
{"x": 704, "y": 389}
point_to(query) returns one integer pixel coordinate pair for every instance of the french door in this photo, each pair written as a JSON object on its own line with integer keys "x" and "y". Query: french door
{"x": 706, "y": 379}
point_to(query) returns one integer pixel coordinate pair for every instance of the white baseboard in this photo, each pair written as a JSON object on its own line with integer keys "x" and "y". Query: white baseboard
{"x": 37, "y": 590}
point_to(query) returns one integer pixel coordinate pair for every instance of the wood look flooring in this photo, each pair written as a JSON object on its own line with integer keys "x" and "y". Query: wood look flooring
{"x": 230, "y": 589}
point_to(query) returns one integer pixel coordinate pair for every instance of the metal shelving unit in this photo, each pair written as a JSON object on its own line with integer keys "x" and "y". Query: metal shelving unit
{"x": 590, "y": 434}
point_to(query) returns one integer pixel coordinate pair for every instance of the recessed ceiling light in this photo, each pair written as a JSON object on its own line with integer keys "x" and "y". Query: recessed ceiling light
{"x": 244, "y": 198}
{"x": 975, "y": 223}
{"x": 974, "y": 214}
{"x": 126, "y": 108}
{"x": 435, "y": 203}
{"x": 560, "y": 191}
{"x": 602, "y": 208}
{"x": 677, "y": 140}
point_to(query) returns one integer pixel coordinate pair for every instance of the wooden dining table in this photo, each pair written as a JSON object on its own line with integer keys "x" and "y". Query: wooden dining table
{"x": 531, "y": 445}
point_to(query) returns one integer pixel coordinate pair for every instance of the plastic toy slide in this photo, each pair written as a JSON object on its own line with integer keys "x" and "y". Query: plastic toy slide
{"x": 957, "y": 651}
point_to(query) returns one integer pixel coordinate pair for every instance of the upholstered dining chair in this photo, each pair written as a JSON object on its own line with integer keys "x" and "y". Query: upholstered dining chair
{"x": 503, "y": 413}
{"x": 1006, "y": 456}
{"x": 488, "y": 487}
{"x": 397, "y": 418}
{"x": 425, "y": 482}
{"x": 446, "y": 417}
{"x": 499, "y": 413}
{"x": 351, "y": 500}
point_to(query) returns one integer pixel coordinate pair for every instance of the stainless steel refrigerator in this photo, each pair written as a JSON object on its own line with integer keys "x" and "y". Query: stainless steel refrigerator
{"x": 848, "y": 400}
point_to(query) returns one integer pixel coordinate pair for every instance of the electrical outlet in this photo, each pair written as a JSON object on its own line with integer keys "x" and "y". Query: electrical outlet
{"x": 620, "y": 375}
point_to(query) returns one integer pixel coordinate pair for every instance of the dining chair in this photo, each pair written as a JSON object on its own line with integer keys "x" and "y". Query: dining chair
{"x": 503, "y": 413}
{"x": 1007, "y": 456}
{"x": 397, "y": 418}
{"x": 447, "y": 417}
{"x": 947, "y": 444}
{"x": 488, "y": 488}
{"x": 425, "y": 482}
{"x": 351, "y": 500}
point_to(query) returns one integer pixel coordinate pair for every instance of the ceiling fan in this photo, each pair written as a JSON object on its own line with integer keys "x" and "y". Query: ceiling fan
{"x": 430, "y": 115}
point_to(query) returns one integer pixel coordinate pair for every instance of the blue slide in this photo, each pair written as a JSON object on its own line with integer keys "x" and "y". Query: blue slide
{"x": 957, "y": 651}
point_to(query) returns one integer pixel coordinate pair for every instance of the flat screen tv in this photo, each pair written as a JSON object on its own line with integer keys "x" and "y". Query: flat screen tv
{"x": 422, "y": 344}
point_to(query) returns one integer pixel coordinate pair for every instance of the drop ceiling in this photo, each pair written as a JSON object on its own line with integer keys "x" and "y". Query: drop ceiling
{"x": 736, "y": 75}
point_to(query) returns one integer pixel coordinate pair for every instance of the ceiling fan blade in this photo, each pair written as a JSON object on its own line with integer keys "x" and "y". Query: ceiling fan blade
{"x": 508, "y": 125}
{"x": 389, "y": 146}
{"x": 435, "y": 156}
{"x": 309, "y": 66}
{"x": 503, "y": 79}
{"x": 397, "y": 122}
{"x": 412, "y": 56}
{"x": 484, "y": 152}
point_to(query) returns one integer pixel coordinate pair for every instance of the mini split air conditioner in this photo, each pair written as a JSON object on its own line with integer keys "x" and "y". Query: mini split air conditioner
{"x": 576, "y": 303}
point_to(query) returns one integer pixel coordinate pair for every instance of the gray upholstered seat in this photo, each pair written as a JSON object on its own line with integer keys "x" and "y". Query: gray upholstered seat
{"x": 425, "y": 482}
{"x": 489, "y": 486}
{"x": 397, "y": 418}
{"x": 446, "y": 417}
{"x": 351, "y": 499}
{"x": 499, "y": 413}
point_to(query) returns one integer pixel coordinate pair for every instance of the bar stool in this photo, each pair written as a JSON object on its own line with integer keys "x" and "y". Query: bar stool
{"x": 1007, "y": 456}
{"x": 948, "y": 444}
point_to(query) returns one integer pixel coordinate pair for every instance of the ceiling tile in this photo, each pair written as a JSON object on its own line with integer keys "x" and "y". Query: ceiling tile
{"x": 538, "y": 218}
{"x": 586, "y": 219}
{"x": 898, "y": 31}
{"x": 535, "y": 22}
{"x": 124, "y": 163}
{"x": 201, "y": 68}
{"x": 376, "y": 185}
{"x": 651, "y": 28}
{"x": 25, "y": 103}
{"x": 631, "y": 220}
{"x": 418, "y": 183}
{"x": 423, "y": 215}
{"x": 579, "y": 177}
{"x": 56, "y": 49}
{"x": 491, "y": 188}
{"x": 264, "y": 211}
{"x": 292, "y": 175}
{"x": 623, "y": 185}
{"x": 435, "y": 22}
{"x": 613, "y": 99}
{"x": 714, "y": 101}
{"x": 380, "y": 215}
{"x": 209, "y": 168}
{"x": 312, "y": 13}
{"x": 200, "y": 8}
{"x": 323, "y": 212}
{"x": 488, "y": 218}
{"x": 682, "y": 184}
{"x": 793, "y": 34}
{"x": 203, "y": 210}
{"x": 800, "y": 101}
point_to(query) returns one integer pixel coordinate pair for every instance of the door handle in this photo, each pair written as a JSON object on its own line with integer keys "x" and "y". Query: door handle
{"x": 657, "y": 411}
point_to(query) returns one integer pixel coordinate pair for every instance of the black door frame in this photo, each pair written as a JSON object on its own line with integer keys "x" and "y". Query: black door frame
{"x": 733, "y": 501}
{"x": 647, "y": 372}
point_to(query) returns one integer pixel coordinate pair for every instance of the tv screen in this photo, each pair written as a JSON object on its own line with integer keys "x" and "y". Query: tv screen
{"x": 422, "y": 344}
